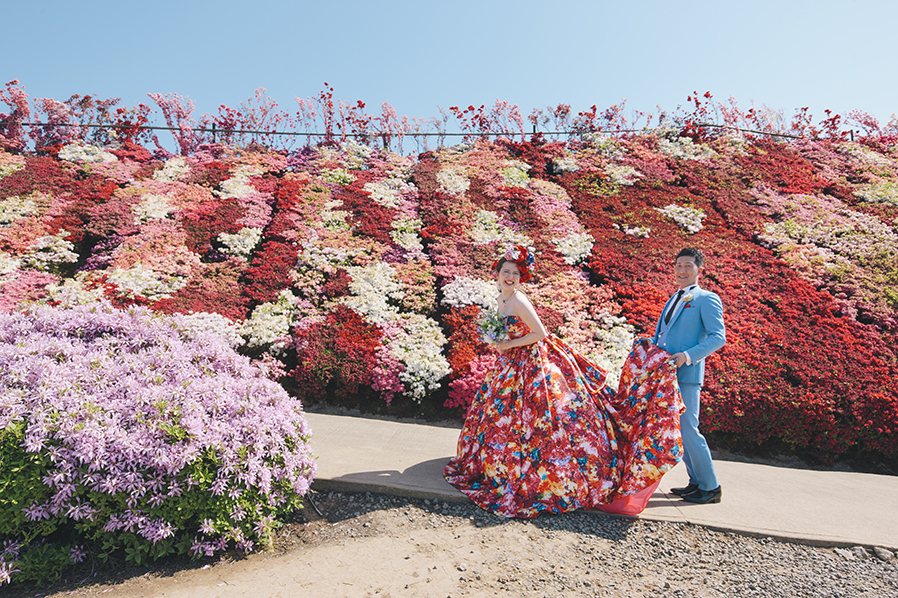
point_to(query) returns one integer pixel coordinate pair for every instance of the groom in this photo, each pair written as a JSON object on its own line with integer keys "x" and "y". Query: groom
{"x": 691, "y": 328}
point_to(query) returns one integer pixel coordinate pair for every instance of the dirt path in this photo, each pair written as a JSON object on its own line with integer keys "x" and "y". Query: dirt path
{"x": 380, "y": 546}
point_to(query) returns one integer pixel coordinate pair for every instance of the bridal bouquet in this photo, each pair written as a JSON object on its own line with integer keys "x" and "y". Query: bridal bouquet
{"x": 491, "y": 325}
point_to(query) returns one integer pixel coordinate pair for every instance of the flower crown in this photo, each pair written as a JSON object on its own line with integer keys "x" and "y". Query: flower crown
{"x": 522, "y": 257}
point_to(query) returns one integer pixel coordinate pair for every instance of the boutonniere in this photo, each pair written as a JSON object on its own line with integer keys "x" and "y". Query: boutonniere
{"x": 688, "y": 297}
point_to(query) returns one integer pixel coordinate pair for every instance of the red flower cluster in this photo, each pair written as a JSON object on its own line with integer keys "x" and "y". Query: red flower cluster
{"x": 269, "y": 273}
{"x": 336, "y": 357}
{"x": 795, "y": 374}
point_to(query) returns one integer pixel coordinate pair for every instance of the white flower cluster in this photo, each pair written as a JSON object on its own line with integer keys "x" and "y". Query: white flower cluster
{"x": 241, "y": 243}
{"x": 565, "y": 164}
{"x": 405, "y": 234}
{"x": 736, "y": 141}
{"x": 554, "y": 191}
{"x": 373, "y": 288}
{"x": 75, "y": 152}
{"x": 470, "y": 291}
{"x": 153, "y": 207}
{"x": 325, "y": 258}
{"x": 50, "y": 250}
{"x": 8, "y": 263}
{"x": 845, "y": 232}
{"x": 340, "y": 176}
{"x": 685, "y": 217}
{"x": 238, "y": 186}
{"x": 452, "y": 180}
{"x": 355, "y": 154}
{"x": 862, "y": 154}
{"x": 332, "y": 219}
{"x": 270, "y": 322}
{"x": 576, "y": 247}
{"x": 173, "y": 169}
{"x": 138, "y": 280}
{"x": 487, "y": 229}
{"x": 616, "y": 338}
{"x": 636, "y": 231}
{"x": 195, "y": 325}
{"x": 622, "y": 176}
{"x": 515, "y": 174}
{"x": 9, "y": 168}
{"x": 419, "y": 346}
{"x": 13, "y": 208}
{"x": 73, "y": 291}
{"x": 683, "y": 148}
{"x": 604, "y": 144}
{"x": 884, "y": 191}
{"x": 388, "y": 192}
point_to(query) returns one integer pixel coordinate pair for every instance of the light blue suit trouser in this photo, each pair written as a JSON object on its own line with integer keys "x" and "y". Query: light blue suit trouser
{"x": 697, "y": 456}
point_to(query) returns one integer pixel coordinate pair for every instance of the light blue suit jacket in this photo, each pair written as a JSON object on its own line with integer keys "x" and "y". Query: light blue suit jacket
{"x": 696, "y": 327}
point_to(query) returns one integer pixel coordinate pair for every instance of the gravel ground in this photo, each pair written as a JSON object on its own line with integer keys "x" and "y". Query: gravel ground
{"x": 376, "y": 545}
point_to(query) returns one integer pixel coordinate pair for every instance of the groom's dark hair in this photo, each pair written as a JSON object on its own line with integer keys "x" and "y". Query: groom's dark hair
{"x": 695, "y": 254}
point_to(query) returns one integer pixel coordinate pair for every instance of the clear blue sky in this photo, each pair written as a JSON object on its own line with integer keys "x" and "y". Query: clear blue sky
{"x": 419, "y": 55}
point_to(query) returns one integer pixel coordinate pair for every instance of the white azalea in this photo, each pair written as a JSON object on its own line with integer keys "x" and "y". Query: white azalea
{"x": 636, "y": 231}
{"x": 270, "y": 322}
{"x": 622, "y": 176}
{"x": 470, "y": 291}
{"x": 686, "y": 218}
{"x": 884, "y": 191}
{"x": 194, "y": 325}
{"x": 8, "y": 263}
{"x": 515, "y": 174}
{"x": 13, "y": 208}
{"x": 50, "y": 250}
{"x": 332, "y": 219}
{"x": 575, "y": 248}
{"x": 616, "y": 338}
{"x": 153, "y": 207}
{"x": 373, "y": 287}
{"x": 683, "y": 148}
{"x": 453, "y": 180}
{"x": 172, "y": 170}
{"x": 74, "y": 291}
{"x": 142, "y": 281}
{"x": 405, "y": 234}
{"x": 75, "y": 152}
{"x": 339, "y": 176}
{"x": 487, "y": 229}
{"x": 242, "y": 243}
{"x": 420, "y": 348}
{"x": 565, "y": 164}
{"x": 238, "y": 186}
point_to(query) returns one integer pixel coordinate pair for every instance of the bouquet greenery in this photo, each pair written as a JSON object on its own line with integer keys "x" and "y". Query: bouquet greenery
{"x": 491, "y": 325}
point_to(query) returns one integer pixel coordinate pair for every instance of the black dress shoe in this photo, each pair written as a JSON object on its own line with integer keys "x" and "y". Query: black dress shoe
{"x": 704, "y": 497}
{"x": 687, "y": 490}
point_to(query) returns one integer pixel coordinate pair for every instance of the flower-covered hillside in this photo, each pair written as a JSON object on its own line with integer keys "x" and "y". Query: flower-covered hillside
{"x": 358, "y": 275}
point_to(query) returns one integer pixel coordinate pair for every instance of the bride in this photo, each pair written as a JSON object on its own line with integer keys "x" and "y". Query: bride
{"x": 544, "y": 433}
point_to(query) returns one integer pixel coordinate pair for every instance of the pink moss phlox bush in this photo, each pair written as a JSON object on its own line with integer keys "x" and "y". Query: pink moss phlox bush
{"x": 137, "y": 433}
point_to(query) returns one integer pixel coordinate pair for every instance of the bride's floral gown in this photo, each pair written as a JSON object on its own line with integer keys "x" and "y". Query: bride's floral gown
{"x": 544, "y": 433}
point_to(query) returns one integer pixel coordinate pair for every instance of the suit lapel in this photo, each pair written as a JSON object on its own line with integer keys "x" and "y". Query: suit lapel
{"x": 694, "y": 291}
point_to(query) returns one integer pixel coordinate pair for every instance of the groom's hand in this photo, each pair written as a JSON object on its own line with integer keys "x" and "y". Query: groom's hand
{"x": 680, "y": 358}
